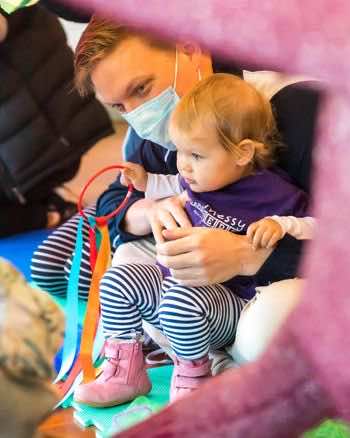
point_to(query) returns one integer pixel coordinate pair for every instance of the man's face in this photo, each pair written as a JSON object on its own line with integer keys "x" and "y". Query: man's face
{"x": 136, "y": 72}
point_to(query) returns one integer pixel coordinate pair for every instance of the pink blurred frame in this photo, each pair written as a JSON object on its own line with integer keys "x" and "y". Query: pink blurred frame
{"x": 308, "y": 37}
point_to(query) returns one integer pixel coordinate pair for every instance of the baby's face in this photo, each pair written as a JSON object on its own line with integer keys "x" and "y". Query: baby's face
{"x": 202, "y": 161}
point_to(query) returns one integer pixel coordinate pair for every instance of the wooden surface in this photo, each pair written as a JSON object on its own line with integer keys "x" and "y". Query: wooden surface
{"x": 61, "y": 424}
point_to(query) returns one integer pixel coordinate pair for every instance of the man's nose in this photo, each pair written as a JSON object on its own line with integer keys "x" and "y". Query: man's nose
{"x": 132, "y": 103}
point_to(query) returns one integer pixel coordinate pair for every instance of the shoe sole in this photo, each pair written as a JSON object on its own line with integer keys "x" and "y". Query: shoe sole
{"x": 111, "y": 403}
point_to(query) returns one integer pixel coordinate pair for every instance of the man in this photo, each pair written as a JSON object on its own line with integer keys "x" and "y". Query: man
{"x": 144, "y": 78}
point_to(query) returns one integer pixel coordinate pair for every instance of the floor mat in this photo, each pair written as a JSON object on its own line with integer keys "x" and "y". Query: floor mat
{"x": 329, "y": 429}
{"x": 19, "y": 249}
{"x": 109, "y": 421}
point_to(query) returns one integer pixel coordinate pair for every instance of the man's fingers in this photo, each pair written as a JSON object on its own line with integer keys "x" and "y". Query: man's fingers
{"x": 178, "y": 246}
{"x": 157, "y": 229}
{"x": 178, "y": 233}
{"x": 179, "y": 261}
{"x": 181, "y": 217}
{"x": 167, "y": 220}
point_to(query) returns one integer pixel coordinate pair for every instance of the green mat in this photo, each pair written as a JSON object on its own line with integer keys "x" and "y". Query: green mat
{"x": 329, "y": 429}
{"x": 103, "y": 419}
{"x": 108, "y": 421}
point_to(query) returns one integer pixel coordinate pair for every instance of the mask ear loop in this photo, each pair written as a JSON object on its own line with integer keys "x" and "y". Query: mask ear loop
{"x": 176, "y": 69}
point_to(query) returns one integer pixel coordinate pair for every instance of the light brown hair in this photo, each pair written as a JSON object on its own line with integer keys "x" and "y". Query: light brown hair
{"x": 99, "y": 39}
{"x": 236, "y": 110}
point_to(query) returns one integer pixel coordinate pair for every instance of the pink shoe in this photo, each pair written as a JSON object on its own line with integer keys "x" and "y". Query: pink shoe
{"x": 123, "y": 378}
{"x": 188, "y": 375}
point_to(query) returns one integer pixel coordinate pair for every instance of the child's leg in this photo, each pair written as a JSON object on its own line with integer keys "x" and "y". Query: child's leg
{"x": 129, "y": 293}
{"x": 51, "y": 262}
{"x": 196, "y": 320}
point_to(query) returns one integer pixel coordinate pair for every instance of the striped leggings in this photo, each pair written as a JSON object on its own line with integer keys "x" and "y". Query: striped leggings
{"x": 51, "y": 262}
{"x": 194, "y": 319}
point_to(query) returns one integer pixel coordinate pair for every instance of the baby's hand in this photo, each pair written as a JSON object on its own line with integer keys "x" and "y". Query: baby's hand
{"x": 134, "y": 174}
{"x": 264, "y": 233}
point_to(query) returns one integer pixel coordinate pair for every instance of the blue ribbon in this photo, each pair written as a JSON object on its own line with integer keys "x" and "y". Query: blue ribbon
{"x": 71, "y": 329}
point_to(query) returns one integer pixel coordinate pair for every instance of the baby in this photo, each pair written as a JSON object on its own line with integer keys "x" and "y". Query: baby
{"x": 224, "y": 134}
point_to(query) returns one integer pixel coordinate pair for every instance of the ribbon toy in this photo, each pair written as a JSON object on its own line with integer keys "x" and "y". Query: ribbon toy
{"x": 73, "y": 371}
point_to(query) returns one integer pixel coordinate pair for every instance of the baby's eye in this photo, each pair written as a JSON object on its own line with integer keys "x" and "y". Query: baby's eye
{"x": 196, "y": 156}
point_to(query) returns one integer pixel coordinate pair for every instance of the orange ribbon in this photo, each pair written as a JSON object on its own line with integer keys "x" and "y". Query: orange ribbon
{"x": 93, "y": 307}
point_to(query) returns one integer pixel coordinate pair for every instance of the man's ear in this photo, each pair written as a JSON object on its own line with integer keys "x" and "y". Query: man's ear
{"x": 246, "y": 152}
{"x": 191, "y": 50}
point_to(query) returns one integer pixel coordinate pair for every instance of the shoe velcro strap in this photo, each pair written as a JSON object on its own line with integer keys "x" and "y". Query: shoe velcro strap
{"x": 195, "y": 371}
{"x": 189, "y": 382}
{"x": 113, "y": 351}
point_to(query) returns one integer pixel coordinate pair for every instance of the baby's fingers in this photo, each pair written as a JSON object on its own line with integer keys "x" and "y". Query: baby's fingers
{"x": 251, "y": 231}
{"x": 125, "y": 177}
{"x": 274, "y": 239}
{"x": 258, "y": 237}
{"x": 265, "y": 238}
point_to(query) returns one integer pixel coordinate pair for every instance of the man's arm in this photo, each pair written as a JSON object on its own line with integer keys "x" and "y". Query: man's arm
{"x": 283, "y": 262}
{"x": 132, "y": 223}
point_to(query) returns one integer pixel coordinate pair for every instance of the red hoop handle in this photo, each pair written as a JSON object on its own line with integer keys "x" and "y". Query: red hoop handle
{"x": 102, "y": 220}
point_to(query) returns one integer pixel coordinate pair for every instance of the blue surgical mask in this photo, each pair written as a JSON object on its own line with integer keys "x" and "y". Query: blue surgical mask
{"x": 151, "y": 119}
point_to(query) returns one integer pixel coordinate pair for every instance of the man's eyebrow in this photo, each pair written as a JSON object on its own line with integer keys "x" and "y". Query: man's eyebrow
{"x": 131, "y": 87}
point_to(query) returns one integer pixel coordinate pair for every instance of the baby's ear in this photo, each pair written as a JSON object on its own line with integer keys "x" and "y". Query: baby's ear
{"x": 246, "y": 152}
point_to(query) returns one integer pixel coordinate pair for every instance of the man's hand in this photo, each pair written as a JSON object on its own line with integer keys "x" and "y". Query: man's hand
{"x": 200, "y": 256}
{"x": 134, "y": 174}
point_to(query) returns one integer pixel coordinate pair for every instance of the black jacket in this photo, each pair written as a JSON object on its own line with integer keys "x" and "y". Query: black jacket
{"x": 45, "y": 126}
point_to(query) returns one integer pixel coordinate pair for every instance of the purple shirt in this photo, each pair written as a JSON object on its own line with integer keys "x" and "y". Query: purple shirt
{"x": 236, "y": 206}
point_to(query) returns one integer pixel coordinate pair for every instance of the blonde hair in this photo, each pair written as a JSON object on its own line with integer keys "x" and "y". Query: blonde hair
{"x": 236, "y": 110}
{"x": 99, "y": 39}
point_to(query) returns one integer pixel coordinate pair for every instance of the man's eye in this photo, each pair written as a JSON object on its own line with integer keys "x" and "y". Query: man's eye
{"x": 142, "y": 90}
{"x": 119, "y": 107}
{"x": 196, "y": 156}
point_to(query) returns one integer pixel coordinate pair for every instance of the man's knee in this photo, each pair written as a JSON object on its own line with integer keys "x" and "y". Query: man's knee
{"x": 262, "y": 317}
